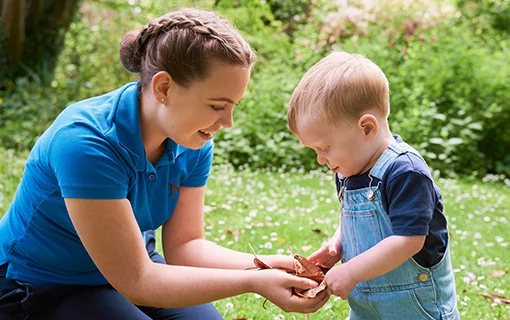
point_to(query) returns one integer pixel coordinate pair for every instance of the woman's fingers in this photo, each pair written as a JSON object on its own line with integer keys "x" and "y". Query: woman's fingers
{"x": 301, "y": 283}
{"x": 311, "y": 305}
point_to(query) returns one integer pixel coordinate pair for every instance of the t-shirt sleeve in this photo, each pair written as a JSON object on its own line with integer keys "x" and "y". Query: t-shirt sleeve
{"x": 86, "y": 165}
{"x": 410, "y": 203}
{"x": 200, "y": 174}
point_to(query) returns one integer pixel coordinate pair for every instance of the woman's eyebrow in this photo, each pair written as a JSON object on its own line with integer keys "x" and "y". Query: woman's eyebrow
{"x": 222, "y": 99}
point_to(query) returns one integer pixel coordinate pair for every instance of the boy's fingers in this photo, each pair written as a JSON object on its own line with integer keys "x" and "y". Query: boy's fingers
{"x": 332, "y": 250}
{"x": 333, "y": 247}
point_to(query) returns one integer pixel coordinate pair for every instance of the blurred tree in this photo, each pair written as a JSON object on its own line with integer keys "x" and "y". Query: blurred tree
{"x": 32, "y": 36}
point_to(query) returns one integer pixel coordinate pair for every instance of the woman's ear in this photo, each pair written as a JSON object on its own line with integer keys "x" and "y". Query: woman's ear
{"x": 369, "y": 125}
{"x": 161, "y": 85}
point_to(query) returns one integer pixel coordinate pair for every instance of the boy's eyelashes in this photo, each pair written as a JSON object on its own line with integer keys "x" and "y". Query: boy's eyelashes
{"x": 217, "y": 108}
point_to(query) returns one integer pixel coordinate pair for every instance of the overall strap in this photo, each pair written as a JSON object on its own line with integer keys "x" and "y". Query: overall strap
{"x": 389, "y": 155}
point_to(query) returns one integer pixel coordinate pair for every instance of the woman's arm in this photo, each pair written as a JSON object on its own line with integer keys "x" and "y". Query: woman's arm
{"x": 184, "y": 242}
{"x": 111, "y": 235}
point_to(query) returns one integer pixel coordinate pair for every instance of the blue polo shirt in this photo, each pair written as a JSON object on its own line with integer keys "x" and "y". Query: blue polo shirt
{"x": 93, "y": 150}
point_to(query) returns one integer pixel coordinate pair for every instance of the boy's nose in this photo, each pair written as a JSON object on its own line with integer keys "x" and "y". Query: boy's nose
{"x": 321, "y": 160}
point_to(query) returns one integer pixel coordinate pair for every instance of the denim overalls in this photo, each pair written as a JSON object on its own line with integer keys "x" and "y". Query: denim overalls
{"x": 408, "y": 292}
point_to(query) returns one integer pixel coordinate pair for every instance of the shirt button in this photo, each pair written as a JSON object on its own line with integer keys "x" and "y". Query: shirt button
{"x": 152, "y": 176}
{"x": 423, "y": 277}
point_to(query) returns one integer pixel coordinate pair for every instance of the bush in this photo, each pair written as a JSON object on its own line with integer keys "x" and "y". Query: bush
{"x": 449, "y": 96}
{"x": 449, "y": 82}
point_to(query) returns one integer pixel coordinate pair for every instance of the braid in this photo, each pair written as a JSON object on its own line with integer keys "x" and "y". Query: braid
{"x": 165, "y": 24}
{"x": 183, "y": 43}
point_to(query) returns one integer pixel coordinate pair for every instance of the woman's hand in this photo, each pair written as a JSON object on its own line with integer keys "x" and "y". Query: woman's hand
{"x": 329, "y": 254}
{"x": 279, "y": 261}
{"x": 276, "y": 286}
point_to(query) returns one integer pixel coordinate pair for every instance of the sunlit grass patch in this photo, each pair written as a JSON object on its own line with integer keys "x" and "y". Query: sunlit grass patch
{"x": 271, "y": 208}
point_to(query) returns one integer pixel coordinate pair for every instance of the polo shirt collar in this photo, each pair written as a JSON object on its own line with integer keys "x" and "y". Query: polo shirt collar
{"x": 127, "y": 121}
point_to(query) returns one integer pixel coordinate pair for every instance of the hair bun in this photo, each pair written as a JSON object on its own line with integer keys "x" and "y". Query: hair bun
{"x": 129, "y": 53}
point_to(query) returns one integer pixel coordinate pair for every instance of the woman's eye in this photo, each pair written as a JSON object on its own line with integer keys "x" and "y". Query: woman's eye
{"x": 217, "y": 108}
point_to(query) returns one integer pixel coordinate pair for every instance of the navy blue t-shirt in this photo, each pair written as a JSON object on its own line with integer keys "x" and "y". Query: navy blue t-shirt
{"x": 413, "y": 203}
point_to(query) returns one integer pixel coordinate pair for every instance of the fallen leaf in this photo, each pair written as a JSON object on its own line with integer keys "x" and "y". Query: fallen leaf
{"x": 319, "y": 232}
{"x": 302, "y": 268}
{"x": 495, "y": 298}
{"x": 257, "y": 262}
{"x": 497, "y": 273}
{"x": 312, "y": 293}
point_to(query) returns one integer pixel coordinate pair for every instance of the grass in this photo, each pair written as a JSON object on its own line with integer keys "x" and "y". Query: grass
{"x": 276, "y": 207}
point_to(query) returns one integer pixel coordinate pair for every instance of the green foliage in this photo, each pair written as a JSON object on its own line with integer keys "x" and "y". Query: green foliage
{"x": 485, "y": 15}
{"x": 448, "y": 92}
{"x": 26, "y": 110}
{"x": 449, "y": 82}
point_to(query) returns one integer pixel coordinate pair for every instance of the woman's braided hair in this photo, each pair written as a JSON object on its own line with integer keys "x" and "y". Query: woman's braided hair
{"x": 183, "y": 43}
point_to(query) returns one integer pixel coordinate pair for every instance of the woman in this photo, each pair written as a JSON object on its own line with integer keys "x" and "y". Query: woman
{"x": 72, "y": 244}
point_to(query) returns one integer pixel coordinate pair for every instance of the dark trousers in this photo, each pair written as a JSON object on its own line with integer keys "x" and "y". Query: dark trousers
{"x": 19, "y": 300}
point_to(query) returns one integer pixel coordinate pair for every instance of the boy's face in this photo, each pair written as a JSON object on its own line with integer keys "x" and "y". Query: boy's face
{"x": 344, "y": 147}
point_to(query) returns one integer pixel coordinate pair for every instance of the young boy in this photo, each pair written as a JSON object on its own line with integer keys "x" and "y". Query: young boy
{"x": 393, "y": 239}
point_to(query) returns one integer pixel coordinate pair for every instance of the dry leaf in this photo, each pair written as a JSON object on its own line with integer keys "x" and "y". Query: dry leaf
{"x": 495, "y": 298}
{"x": 319, "y": 232}
{"x": 497, "y": 273}
{"x": 306, "y": 269}
{"x": 302, "y": 268}
{"x": 257, "y": 262}
{"x": 312, "y": 293}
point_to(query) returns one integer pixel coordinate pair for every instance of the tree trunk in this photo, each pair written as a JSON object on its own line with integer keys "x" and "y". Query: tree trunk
{"x": 14, "y": 27}
{"x": 33, "y": 38}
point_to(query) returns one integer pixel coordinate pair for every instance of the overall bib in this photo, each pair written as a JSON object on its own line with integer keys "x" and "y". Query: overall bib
{"x": 408, "y": 292}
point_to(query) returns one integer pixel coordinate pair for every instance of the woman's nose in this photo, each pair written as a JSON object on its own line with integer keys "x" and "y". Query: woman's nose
{"x": 226, "y": 120}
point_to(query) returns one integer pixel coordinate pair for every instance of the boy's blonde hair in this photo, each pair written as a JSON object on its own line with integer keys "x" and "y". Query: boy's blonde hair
{"x": 341, "y": 86}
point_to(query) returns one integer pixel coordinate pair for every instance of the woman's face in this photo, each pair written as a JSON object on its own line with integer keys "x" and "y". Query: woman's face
{"x": 191, "y": 116}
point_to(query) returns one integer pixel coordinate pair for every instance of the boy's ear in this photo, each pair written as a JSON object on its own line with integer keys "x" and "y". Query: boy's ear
{"x": 161, "y": 84}
{"x": 369, "y": 124}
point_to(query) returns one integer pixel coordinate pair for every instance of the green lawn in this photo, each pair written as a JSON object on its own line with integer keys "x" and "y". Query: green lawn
{"x": 272, "y": 208}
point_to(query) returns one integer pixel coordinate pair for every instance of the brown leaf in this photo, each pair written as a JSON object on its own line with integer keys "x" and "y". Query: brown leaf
{"x": 304, "y": 267}
{"x": 257, "y": 262}
{"x": 495, "y": 298}
{"x": 307, "y": 269}
{"x": 319, "y": 232}
{"x": 497, "y": 273}
{"x": 311, "y": 293}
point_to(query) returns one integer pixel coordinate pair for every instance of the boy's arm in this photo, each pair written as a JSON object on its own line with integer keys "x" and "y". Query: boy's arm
{"x": 384, "y": 257}
{"x": 378, "y": 260}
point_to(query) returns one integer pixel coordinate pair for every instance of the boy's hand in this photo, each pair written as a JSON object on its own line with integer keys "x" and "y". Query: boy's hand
{"x": 339, "y": 281}
{"x": 329, "y": 254}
